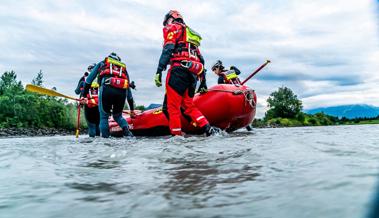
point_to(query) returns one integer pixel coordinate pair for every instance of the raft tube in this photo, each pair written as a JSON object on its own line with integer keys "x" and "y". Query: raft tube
{"x": 227, "y": 106}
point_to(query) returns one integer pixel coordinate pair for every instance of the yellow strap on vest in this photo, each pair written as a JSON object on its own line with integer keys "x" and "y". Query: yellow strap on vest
{"x": 94, "y": 85}
{"x": 116, "y": 62}
{"x": 231, "y": 75}
{"x": 126, "y": 84}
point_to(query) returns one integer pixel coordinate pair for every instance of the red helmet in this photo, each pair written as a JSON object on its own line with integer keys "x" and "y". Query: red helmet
{"x": 173, "y": 14}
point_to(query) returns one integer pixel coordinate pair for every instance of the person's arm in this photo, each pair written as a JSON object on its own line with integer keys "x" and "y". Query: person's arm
{"x": 203, "y": 83}
{"x": 200, "y": 56}
{"x": 91, "y": 77}
{"x": 220, "y": 79}
{"x": 129, "y": 95}
{"x": 130, "y": 99}
{"x": 79, "y": 86}
{"x": 238, "y": 72}
{"x": 170, "y": 35}
{"x": 165, "y": 57}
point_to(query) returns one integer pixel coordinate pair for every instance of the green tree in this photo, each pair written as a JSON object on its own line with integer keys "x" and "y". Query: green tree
{"x": 140, "y": 107}
{"x": 24, "y": 109}
{"x": 38, "y": 80}
{"x": 9, "y": 84}
{"x": 283, "y": 103}
{"x": 323, "y": 119}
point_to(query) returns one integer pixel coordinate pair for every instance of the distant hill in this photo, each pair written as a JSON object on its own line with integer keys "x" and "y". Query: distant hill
{"x": 152, "y": 106}
{"x": 348, "y": 111}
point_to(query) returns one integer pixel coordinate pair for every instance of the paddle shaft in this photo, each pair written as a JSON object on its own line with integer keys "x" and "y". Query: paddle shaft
{"x": 78, "y": 122}
{"x": 49, "y": 92}
{"x": 256, "y": 71}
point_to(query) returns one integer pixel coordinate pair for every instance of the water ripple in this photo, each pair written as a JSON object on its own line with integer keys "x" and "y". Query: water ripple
{"x": 286, "y": 172}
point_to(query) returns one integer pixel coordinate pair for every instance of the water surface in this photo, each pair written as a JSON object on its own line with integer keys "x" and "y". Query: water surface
{"x": 289, "y": 172}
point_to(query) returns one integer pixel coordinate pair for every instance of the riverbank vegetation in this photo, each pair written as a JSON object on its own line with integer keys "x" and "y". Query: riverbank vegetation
{"x": 285, "y": 110}
{"x": 21, "y": 109}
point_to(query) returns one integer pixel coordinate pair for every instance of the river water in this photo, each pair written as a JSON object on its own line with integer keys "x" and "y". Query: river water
{"x": 289, "y": 172}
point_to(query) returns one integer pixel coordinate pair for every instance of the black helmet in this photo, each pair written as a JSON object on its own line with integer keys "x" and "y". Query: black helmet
{"x": 90, "y": 67}
{"x": 218, "y": 64}
{"x": 114, "y": 56}
{"x": 173, "y": 14}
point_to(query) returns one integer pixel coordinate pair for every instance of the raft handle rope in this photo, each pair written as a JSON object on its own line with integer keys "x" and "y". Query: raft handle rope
{"x": 250, "y": 99}
{"x": 247, "y": 94}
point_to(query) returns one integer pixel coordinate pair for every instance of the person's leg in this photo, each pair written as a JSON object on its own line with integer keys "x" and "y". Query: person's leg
{"x": 197, "y": 117}
{"x": 104, "y": 110}
{"x": 120, "y": 120}
{"x": 119, "y": 98}
{"x": 91, "y": 129}
{"x": 164, "y": 107}
{"x": 92, "y": 118}
{"x": 97, "y": 130}
{"x": 190, "y": 110}
{"x": 173, "y": 108}
{"x": 177, "y": 81}
{"x": 97, "y": 121}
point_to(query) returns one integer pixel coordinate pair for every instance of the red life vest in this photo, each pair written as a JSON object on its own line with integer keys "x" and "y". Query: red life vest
{"x": 186, "y": 52}
{"x": 117, "y": 82}
{"x": 184, "y": 48}
{"x": 116, "y": 73}
{"x": 93, "y": 98}
{"x": 231, "y": 77}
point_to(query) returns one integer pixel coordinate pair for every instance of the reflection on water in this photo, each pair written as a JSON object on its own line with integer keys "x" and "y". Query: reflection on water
{"x": 294, "y": 172}
{"x": 200, "y": 177}
{"x": 102, "y": 164}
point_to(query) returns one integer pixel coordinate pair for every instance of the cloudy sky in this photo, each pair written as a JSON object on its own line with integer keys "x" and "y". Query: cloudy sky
{"x": 325, "y": 51}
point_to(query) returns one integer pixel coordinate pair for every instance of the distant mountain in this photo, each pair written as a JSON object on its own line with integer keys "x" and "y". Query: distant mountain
{"x": 152, "y": 106}
{"x": 348, "y": 111}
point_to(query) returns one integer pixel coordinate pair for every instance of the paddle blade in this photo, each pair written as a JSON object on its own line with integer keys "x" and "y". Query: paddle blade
{"x": 44, "y": 91}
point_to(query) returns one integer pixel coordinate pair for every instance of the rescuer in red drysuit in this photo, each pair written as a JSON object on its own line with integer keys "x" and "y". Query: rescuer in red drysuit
{"x": 180, "y": 50}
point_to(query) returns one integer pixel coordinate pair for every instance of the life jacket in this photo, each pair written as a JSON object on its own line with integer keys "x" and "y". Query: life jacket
{"x": 92, "y": 96}
{"x": 231, "y": 77}
{"x": 115, "y": 73}
{"x": 186, "y": 52}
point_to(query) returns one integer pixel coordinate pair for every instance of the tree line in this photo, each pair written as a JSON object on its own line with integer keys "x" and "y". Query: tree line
{"x": 285, "y": 109}
{"x": 22, "y": 109}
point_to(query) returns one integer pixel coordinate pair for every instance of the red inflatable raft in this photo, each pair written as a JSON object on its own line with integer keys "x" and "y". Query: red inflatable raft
{"x": 226, "y": 106}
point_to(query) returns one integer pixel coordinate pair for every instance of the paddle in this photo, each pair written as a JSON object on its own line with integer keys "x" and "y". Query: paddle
{"x": 256, "y": 71}
{"x": 78, "y": 122}
{"x": 49, "y": 92}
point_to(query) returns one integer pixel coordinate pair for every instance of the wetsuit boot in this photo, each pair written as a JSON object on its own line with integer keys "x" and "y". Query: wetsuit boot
{"x": 211, "y": 130}
{"x": 126, "y": 132}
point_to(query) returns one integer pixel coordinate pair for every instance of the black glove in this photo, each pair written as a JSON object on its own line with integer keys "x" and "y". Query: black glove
{"x": 203, "y": 86}
{"x": 238, "y": 72}
{"x": 132, "y": 85}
